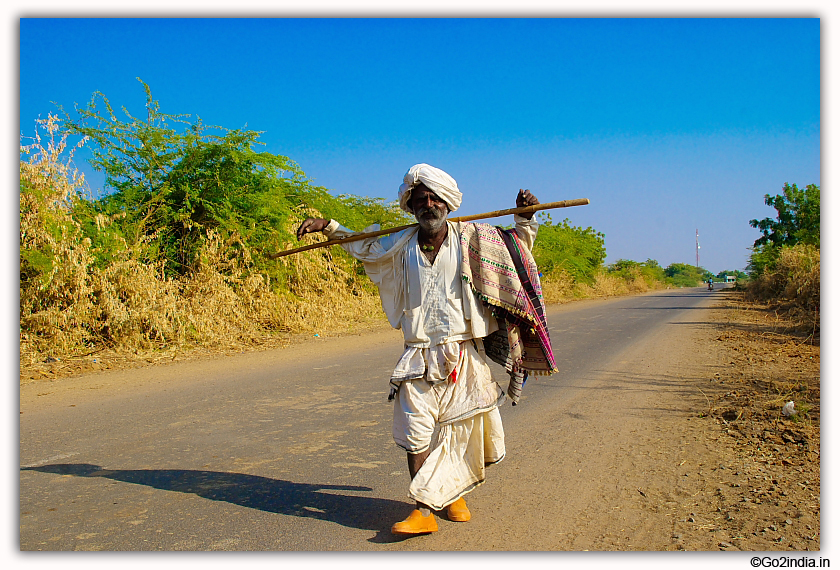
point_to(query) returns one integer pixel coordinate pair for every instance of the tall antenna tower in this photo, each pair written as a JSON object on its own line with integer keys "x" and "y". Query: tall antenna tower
{"x": 697, "y": 244}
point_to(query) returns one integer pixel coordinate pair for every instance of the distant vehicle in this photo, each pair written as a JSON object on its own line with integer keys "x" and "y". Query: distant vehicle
{"x": 730, "y": 279}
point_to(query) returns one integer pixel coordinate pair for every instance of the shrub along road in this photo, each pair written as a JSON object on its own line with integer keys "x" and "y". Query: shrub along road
{"x": 291, "y": 449}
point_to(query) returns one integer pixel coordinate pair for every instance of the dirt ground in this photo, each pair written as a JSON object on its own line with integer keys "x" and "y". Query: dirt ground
{"x": 766, "y": 475}
{"x": 750, "y": 479}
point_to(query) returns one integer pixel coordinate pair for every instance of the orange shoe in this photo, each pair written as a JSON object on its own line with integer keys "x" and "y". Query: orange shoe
{"x": 416, "y": 523}
{"x": 458, "y": 511}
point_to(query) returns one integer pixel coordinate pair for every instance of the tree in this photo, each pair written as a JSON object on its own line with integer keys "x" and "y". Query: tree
{"x": 172, "y": 180}
{"x": 738, "y": 274}
{"x": 797, "y": 221}
{"x": 685, "y": 275}
{"x": 797, "y": 217}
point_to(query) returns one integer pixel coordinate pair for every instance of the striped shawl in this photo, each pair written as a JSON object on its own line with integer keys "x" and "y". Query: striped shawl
{"x": 502, "y": 272}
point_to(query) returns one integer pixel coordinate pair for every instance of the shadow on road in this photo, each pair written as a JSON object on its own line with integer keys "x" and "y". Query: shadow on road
{"x": 261, "y": 493}
{"x": 665, "y": 308}
{"x": 703, "y": 293}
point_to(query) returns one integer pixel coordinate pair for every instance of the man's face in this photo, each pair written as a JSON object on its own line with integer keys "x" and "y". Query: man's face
{"x": 428, "y": 208}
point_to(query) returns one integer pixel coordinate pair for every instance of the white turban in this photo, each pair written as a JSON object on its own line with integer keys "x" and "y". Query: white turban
{"x": 435, "y": 180}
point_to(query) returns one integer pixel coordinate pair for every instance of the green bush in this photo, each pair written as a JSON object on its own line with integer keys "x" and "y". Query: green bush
{"x": 685, "y": 275}
{"x": 650, "y": 271}
{"x": 172, "y": 180}
{"x": 565, "y": 248}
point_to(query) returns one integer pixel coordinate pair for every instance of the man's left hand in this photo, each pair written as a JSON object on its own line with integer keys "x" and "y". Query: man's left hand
{"x": 525, "y": 198}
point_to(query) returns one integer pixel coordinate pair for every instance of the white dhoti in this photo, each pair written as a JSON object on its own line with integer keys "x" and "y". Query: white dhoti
{"x": 448, "y": 401}
{"x": 458, "y": 421}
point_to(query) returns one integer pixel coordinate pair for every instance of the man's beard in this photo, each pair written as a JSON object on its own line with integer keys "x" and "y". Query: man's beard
{"x": 431, "y": 225}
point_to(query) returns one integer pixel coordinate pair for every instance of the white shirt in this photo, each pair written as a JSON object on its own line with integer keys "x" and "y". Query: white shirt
{"x": 434, "y": 305}
{"x": 430, "y": 302}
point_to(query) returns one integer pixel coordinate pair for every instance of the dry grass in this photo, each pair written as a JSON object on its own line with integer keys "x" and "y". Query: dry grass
{"x": 775, "y": 354}
{"x": 130, "y": 308}
{"x": 792, "y": 286}
{"x": 558, "y": 287}
{"x": 610, "y": 285}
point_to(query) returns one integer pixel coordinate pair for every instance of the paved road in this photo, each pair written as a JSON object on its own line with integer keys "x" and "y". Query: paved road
{"x": 277, "y": 450}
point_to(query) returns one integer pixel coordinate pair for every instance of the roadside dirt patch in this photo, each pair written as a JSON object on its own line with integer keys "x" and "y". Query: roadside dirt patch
{"x": 763, "y": 491}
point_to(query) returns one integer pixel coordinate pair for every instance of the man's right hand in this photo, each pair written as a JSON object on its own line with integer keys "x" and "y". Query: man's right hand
{"x": 311, "y": 225}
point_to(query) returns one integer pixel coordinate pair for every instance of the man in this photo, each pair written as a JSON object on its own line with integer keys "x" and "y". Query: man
{"x": 446, "y": 403}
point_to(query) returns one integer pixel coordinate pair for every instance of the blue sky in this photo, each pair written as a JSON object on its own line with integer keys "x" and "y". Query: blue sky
{"x": 667, "y": 125}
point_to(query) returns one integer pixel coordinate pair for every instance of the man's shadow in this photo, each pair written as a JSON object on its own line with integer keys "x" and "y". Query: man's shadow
{"x": 261, "y": 493}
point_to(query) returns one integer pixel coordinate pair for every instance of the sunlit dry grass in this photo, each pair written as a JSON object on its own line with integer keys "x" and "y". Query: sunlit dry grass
{"x": 609, "y": 285}
{"x": 560, "y": 287}
{"x": 792, "y": 285}
{"x": 129, "y": 306}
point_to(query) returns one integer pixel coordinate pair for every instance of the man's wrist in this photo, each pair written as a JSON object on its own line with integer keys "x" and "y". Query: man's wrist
{"x": 330, "y": 228}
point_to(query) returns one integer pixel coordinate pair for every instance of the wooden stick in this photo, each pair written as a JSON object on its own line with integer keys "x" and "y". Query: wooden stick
{"x": 496, "y": 214}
